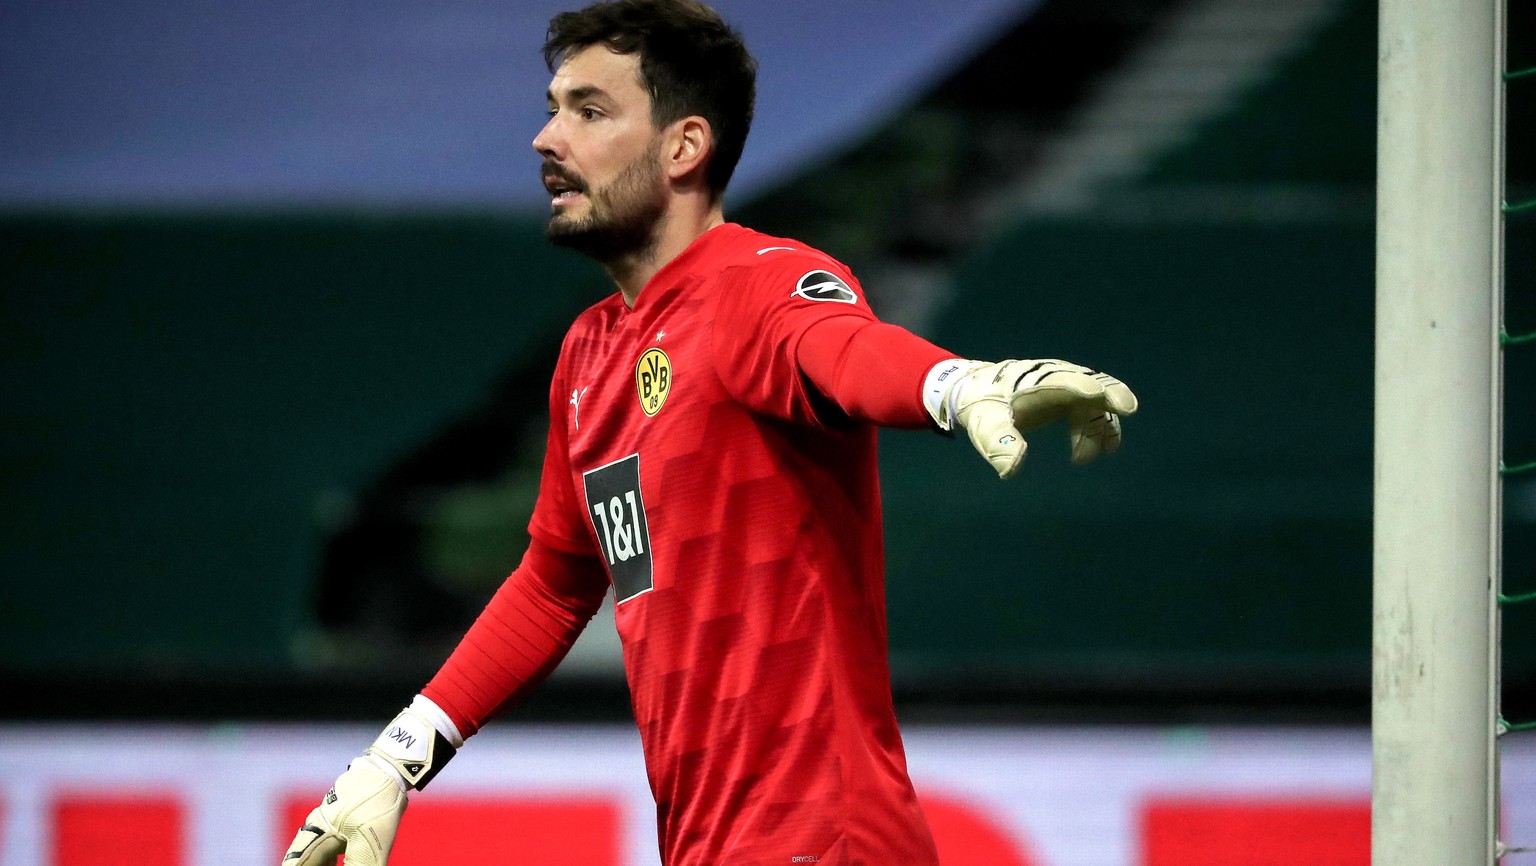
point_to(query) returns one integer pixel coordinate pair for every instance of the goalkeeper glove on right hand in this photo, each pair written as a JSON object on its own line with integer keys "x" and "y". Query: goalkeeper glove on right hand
{"x": 997, "y": 404}
{"x": 360, "y": 814}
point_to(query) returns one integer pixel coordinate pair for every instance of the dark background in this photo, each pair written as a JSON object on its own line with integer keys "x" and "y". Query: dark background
{"x": 268, "y": 460}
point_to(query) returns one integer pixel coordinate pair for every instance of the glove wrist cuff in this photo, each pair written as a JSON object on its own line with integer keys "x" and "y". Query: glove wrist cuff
{"x": 940, "y": 387}
{"x": 414, "y": 746}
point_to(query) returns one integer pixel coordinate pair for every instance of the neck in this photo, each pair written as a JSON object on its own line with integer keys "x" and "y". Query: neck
{"x": 679, "y": 227}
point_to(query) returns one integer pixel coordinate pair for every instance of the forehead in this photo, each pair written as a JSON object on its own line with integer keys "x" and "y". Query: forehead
{"x": 598, "y": 68}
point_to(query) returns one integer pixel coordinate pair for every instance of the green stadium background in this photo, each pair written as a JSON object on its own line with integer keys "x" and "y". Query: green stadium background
{"x": 245, "y": 448}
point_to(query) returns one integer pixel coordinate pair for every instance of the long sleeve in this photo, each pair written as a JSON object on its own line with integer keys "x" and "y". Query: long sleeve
{"x": 794, "y": 332}
{"x": 523, "y": 633}
{"x": 871, "y": 370}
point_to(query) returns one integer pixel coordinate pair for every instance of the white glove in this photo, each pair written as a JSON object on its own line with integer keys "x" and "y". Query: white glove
{"x": 357, "y": 818}
{"x": 998, "y": 403}
{"x": 360, "y": 814}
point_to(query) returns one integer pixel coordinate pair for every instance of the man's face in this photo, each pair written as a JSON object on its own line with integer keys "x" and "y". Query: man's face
{"x": 601, "y": 155}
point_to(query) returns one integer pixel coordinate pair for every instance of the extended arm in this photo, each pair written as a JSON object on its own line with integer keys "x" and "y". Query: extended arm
{"x": 885, "y": 375}
{"x": 872, "y": 371}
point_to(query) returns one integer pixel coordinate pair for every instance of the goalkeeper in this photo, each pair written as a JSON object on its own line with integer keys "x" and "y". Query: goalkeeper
{"x": 711, "y": 461}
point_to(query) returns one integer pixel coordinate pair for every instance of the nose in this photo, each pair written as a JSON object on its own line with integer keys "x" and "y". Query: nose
{"x": 546, "y": 143}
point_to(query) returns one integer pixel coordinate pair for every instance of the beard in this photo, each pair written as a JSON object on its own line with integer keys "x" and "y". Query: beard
{"x": 622, "y": 217}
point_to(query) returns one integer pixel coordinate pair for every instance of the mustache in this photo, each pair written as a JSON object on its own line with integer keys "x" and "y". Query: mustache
{"x": 551, "y": 169}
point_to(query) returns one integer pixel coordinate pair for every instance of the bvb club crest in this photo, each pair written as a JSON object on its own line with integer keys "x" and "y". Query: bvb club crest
{"x": 653, "y": 380}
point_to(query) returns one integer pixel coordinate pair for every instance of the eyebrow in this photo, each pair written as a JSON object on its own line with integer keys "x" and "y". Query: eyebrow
{"x": 577, "y": 94}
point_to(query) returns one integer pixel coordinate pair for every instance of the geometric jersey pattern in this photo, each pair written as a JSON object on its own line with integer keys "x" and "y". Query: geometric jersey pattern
{"x": 739, "y": 517}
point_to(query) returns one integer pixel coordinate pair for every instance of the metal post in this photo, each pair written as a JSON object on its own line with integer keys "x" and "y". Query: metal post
{"x": 1438, "y": 432}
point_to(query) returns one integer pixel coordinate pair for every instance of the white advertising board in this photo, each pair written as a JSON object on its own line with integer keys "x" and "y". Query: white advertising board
{"x": 1101, "y": 796}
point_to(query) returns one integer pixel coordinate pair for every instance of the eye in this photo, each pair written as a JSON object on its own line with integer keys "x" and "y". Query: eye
{"x": 589, "y": 113}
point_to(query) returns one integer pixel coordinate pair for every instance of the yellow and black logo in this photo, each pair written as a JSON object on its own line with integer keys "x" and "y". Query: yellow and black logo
{"x": 653, "y": 379}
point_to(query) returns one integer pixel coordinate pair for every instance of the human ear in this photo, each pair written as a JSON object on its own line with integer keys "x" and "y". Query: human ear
{"x": 690, "y": 143}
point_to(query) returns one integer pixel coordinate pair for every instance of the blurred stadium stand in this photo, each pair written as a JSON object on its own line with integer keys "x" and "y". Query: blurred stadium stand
{"x": 246, "y": 449}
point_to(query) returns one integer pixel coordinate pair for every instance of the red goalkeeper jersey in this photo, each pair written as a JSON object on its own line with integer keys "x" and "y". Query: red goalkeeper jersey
{"x": 738, "y": 517}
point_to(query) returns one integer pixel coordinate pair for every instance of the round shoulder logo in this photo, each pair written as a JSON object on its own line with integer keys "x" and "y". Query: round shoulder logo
{"x": 653, "y": 380}
{"x": 824, "y": 286}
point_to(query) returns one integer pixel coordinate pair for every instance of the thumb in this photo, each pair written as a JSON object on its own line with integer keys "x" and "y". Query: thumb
{"x": 990, "y": 427}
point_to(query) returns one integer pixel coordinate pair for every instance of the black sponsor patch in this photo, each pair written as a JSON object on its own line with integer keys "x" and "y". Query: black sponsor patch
{"x": 824, "y": 286}
{"x": 618, "y": 516}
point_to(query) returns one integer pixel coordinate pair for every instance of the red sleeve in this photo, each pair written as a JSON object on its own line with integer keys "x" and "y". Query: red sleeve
{"x": 523, "y": 633}
{"x": 871, "y": 370}
{"x": 765, "y": 307}
{"x": 532, "y": 620}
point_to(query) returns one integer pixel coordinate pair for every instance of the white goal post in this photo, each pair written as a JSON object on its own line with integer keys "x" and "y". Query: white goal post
{"x": 1438, "y": 432}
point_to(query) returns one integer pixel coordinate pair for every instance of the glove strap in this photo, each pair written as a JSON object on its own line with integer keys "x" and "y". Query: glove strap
{"x": 940, "y": 387}
{"x": 416, "y": 746}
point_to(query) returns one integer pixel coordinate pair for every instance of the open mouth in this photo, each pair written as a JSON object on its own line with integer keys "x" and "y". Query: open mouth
{"x": 561, "y": 190}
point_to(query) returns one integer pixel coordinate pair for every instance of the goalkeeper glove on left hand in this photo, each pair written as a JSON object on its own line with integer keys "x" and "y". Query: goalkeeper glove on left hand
{"x": 360, "y": 814}
{"x": 998, "y": 403}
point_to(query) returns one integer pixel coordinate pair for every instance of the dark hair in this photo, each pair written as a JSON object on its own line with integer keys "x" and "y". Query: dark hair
{"x": 691, "y": 62}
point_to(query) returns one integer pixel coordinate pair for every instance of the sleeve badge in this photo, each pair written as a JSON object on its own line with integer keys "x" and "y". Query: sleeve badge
{"x": 824, "y": 286}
